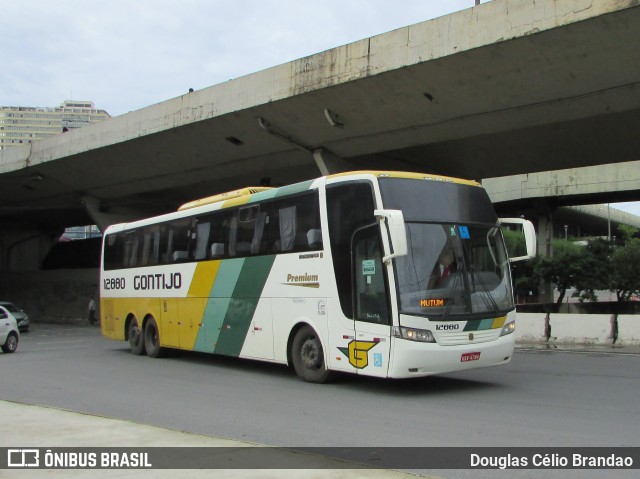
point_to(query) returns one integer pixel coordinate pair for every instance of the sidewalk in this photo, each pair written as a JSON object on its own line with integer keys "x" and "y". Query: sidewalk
{"x": 579, "y": 348}
{"x": 45, "y": 427}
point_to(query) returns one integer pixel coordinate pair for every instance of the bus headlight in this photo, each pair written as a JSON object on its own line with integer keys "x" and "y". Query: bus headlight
{"x": 413, "y": 334}
{"x": 508, "y": 328}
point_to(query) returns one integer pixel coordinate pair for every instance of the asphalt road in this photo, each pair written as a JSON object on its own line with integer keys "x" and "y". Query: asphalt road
{"x": 539, "y": 399}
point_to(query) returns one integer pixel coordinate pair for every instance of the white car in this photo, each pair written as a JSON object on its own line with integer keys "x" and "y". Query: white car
{"x": 19, "y": 314}
{"x": 9, "y": 334}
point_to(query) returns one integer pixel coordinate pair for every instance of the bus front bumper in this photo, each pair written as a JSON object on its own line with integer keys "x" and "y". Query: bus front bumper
{"x": 415, "y": 359}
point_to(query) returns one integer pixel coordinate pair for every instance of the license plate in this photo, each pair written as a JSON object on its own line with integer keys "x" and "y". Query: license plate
{"x": 469, "y": 357}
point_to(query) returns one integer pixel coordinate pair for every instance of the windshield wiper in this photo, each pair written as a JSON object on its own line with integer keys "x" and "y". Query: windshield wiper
{"x": 454, "y": 287}
{"x": 485, "y": 294}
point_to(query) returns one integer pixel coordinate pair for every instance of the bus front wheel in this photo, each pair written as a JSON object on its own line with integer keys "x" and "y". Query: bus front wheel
{"x": 152, "y": 339}
{"x": 308, "y": 357}
{"x": 136, "y": 339}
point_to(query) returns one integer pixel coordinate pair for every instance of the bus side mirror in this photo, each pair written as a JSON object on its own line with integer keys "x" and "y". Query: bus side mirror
{"x": 529, "y": 236}
{"x": 397, "y": 232}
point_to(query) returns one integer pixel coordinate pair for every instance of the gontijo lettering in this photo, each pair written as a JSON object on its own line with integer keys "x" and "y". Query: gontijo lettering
{"x": 157, "y": 281}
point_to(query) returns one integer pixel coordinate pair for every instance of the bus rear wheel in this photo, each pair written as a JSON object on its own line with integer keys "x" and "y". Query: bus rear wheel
{"x": 136, "y": 338}
{"x": 308, "y": 357}
{"x": 152, "y": 339}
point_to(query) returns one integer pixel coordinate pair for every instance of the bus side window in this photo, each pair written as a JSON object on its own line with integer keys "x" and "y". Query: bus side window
{"x": 242, "y": 231}
{"x": 178, "y": 244}
{"x": 217, "y": 250}
{"x": 109, "y": 252}
{"x": 233, "y": 236}
{"x": 151, "y": 246}
{"x": 295, "y": 224}
{"x": 219, "y": 236}
{"x": 258, "y": 245}
{"x": 314, "y": 238}
{"x": 155, "y": 251}
{"x": 168, "y": 246}
{"x": 202, "y": 239}
{"x": 113, "y": 251}
{"x": 131, "y": 245}
{"x": 287, "y": 221}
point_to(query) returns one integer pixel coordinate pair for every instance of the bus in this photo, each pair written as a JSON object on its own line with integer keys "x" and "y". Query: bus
{"x": 343, "y": 273}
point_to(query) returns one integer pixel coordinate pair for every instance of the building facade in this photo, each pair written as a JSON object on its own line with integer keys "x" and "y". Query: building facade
{"x": 25, "y": 124}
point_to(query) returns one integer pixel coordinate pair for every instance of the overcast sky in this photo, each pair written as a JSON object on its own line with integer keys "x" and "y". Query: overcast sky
{"x": 128, "y": 54}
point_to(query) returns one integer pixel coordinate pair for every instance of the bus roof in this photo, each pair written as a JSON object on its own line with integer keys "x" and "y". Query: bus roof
{"x": 251, "y": 190}
{"x": 246, "y": 195}
{"x": 407, "y": 175}
{"x": 247, "y": 191}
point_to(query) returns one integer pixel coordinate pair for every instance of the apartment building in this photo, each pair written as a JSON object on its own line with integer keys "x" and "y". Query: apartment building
{"x": 25, "y": 124}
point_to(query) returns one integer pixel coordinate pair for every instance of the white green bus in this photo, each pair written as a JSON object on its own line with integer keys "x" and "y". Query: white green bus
{"x": 342, "y": 273}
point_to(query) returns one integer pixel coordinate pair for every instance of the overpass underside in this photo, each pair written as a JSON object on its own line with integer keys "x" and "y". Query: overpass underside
{"x": 506, "y": 88}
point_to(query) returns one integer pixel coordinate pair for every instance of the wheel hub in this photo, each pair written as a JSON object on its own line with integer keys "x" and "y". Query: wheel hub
{"x": 310, "y": 354}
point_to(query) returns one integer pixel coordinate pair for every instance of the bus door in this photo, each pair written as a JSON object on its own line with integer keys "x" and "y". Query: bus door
{"x": 372, "y": 314}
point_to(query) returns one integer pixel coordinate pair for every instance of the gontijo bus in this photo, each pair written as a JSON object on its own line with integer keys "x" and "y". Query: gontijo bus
{"x": 341, "y": 273}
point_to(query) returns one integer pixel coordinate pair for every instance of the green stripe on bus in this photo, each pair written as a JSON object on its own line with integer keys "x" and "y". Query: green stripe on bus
{"x": 282, "y": 191}
{"x": 228, "y": 274}
{"x": 478, "y": 324}
{"x": 243, "y": 303}
{"x": 218, "y": 304}
{"x": 263, "y": 195}
{"x": 293, "y": 189}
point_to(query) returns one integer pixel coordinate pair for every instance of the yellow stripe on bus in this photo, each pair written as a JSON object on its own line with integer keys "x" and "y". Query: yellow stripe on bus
{"x": 498, "y": 322}
{"x": 203, "y": 279}
{"x": 407, "y": 175}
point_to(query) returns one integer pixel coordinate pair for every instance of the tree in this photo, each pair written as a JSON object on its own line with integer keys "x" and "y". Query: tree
{"x": 596, "y": 270}
{"x": 584, "y": 267}
{"x": 562, "y": 268}
{"x": 626, "y": 263}
{"x": 515, "y": 242}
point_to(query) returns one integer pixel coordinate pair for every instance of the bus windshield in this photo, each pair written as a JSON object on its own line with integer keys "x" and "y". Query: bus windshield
{"x": 453, "y": 270}
{"x": 457, "y": 263}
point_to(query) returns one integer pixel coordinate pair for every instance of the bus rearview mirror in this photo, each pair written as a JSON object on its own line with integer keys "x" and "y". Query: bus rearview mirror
{"x": 525, "y": 228}
{"x": 397, "y": 232}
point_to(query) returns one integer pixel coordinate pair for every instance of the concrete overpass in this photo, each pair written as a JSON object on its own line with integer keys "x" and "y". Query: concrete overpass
{"x": 506, "y": 88}
{"x": 544, "y": 197}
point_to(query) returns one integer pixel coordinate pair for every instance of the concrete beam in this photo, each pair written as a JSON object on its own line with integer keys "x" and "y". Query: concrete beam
{"x": 554, "y": 80}
{"x": 569, "y": 186}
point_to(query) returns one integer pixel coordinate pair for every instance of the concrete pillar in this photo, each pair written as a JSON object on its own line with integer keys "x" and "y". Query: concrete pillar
{"x": 102, "y": 217}
{"x": 545, "y": 244}
{"x": 328, "y": 162}
{"x": 545, "y": 234}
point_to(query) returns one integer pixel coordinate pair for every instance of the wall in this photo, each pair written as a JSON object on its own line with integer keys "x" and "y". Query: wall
{"x": 578, "y": 329}
{"x": 58, "y": 296}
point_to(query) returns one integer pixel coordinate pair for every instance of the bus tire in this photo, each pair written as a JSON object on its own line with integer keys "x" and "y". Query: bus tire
{"x": 152, "y": 339}
{"x": 308, "y": 357}
{"x": 136, "y": 337}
